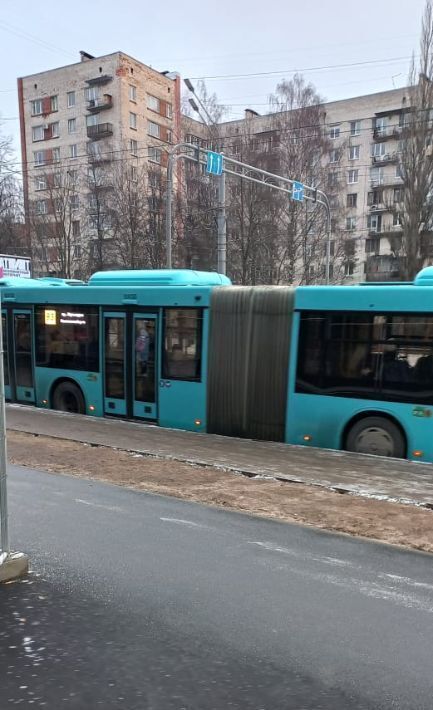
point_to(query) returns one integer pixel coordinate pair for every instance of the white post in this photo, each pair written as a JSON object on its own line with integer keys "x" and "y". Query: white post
{"x": 12, "y": 564}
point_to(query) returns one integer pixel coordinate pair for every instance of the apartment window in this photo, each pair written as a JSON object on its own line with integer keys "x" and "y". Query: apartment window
{"x": 39, "y": 158}
{"x": 58, "y": 205}
{"x": 398, "y": 171}
{"x": 41, "y": 207}
{"x": 334, "y": 131}
{"x": 355, "y": 128}
{"x": 375, "y": 197}
{"x": 133, "y": 120}
{"x": 332, "y": 178}
{"x": 349, "y": 268}
{"x": 334, "y": 156}
{"x": 403, "y": 120}
{"x": 76, "y": 228}
{"x": 92, "y": 120}
{"x": 132, "y": 93}
{"x": 133, "y": 147}
{"x": 380, "y": 124}
{"x": 168, "y": 110}
{"x": 74, "y": 202}
{"x": 350, "y": 224}
{"x": 36, "y": 107}
{"x": 372, "y": 246}
{"x": 155, "y": 155}
{"x": 73, "y": 151}
{"x": 374, "y": 222}
{"x": 153, "y": 103}
{"x": 91, "y": 93}
{"x": 38, "y": 133}
{"x": 71, "y": 99}
{"x": 56, "y": 155}
{"x": 354, "y": 152}
{"x": 378, "y": 149}
{"x": 153, "y": 129}
{"x": 41, "y": 183}
{"x": 57, "y": 179}
{"x": 54, "y": 103}
{"x": 134, "y": 173}
{"x": 169, "y": 137}
{"x": 72, "y": 125}
{"x": 398, "y": 194}
{"x": 352, "y": 199}
{"x": 352, "y": 177}
{"x": 77, "y": 249}
{"x": 397, "y": 219}
{"x": 377, "y": 176}
{"x": 55, "y": 130}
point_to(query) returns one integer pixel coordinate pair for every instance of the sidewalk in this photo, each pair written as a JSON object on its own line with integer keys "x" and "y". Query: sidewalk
{"x": 368, "y": 476}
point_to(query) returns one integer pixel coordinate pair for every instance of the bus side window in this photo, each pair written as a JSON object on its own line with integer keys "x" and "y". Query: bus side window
{"x": 182, "y": 343}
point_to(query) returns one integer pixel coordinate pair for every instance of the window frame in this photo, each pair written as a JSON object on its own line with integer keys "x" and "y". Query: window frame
{"x": 165, "y": 372}
{"x": 149, "y": 131}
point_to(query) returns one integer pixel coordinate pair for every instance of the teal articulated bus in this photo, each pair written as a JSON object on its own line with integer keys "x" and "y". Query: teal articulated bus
{"x": 339, "y": 367}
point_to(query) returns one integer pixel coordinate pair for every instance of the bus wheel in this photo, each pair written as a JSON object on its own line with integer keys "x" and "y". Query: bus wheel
{"x": 378, "y": 436}
{"x": 68, "y": 397}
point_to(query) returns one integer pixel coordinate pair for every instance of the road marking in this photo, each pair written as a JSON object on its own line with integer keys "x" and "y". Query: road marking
{"x": 372, "y": 589}
{"x": 334, "y": 561}
{"x": 179, "y": 521}
{"x": 112, "y": 508}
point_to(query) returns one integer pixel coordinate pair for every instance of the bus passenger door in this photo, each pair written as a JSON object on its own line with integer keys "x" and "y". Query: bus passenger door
{"x": 144, "y": 372}
{"x": 115, "y": 364}
{"x": 23, "y": 356}
{"x": 5, "y": 332}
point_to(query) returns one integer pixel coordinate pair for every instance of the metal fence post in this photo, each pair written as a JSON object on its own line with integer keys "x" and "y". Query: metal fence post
{"x": 222, "y": 225}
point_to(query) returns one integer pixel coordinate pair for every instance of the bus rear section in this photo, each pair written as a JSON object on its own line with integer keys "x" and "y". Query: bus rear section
{"x": 361, "y": 378}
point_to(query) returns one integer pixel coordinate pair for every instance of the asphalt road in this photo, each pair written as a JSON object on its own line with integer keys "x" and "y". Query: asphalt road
{"x": 148, "y": 603}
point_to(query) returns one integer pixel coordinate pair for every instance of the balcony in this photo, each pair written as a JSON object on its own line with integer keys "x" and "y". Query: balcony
{"x": 385, "y": 159}
{"x": 378, "y": 207}
{"x": 101, "y": 130}
{"x": 99, "y": 80}
{"x": 386, "y": 181}
{"x": 384, "y": 267}
{"x": 96, "y": 105}
{"x": 383, "y": 134}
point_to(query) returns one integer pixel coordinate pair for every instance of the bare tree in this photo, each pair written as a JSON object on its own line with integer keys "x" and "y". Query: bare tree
{"x": 304, "y": 149}
{"x": 129, "y": 212}
{"x": 98, "y": 222}
{"x": 13, "y": 236}
{"x": 53, "y": 218}
{"x": 416, "y": 165}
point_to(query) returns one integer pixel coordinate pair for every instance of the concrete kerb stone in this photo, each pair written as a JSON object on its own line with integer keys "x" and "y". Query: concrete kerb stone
{"x": 16, "y": 565}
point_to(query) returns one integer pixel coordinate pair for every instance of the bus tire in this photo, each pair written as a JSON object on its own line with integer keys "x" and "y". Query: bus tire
{"x": 67, "y": 397}
{"x": 378, "y": 436}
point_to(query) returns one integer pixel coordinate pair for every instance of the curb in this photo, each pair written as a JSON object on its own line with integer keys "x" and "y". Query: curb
{"x": 15, "y": 565}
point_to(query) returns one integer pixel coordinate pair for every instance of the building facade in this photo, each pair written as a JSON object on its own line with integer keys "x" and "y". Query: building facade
{"x": 365, "y": 135}
{"x": 78, "y": 124}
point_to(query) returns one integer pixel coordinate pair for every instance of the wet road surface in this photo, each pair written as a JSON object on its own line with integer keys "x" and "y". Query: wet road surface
{"x": 143, "y": 602}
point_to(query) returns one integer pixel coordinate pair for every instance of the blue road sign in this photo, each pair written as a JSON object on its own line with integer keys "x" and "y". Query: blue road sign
{"x": 214, "y": 163}
{"x": 298, "y": 191}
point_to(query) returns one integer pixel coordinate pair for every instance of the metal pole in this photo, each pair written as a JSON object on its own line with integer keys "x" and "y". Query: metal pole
{"x": 222, "y": 225}
{"x": 168, "y": 211}
{"x": 328, "y": 243}
{"x": 4, "y": 526}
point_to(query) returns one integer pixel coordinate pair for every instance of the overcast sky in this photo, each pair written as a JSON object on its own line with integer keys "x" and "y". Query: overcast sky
{"x": 200, "y": 38}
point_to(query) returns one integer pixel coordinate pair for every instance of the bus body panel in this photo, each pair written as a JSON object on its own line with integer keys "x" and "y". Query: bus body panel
{"x": 326, "y": 427}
